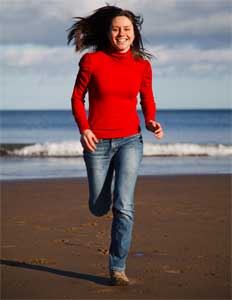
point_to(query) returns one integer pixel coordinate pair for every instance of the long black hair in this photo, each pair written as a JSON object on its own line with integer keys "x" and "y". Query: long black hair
{"x": 92, "y": 31}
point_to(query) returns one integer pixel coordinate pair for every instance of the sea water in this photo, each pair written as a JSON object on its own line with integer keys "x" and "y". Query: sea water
{"x": 42, "y": 144}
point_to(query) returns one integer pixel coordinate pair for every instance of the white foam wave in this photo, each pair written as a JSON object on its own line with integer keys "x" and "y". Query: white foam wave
{"x": 64, "y": 149}
{"x": 180, "y": 149}
{"x": 74, "y": 148}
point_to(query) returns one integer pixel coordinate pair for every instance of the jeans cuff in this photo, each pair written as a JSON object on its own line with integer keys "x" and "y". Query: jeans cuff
{"x": 118, "y": 269}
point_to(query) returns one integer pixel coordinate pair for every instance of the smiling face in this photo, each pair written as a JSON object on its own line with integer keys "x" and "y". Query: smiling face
{"x": 121, "y": 34}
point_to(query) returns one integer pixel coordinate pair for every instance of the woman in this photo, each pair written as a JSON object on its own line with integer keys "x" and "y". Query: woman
{"x": 113, "y": 74}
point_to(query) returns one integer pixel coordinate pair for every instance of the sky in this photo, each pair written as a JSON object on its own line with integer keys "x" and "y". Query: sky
{"x": 190, "y": 39}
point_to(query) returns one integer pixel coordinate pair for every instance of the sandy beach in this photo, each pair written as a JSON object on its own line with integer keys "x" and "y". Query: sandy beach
{"x": 53, "y": 248}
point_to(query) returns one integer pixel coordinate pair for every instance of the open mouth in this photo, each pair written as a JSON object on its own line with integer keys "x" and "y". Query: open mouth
{"x": 121, "y": 40}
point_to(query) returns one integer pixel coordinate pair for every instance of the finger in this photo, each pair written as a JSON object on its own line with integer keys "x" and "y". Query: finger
{"x": 87, "y": 145}
{"x": 158, "y": 130}
{"x": 84, "y": 143}
{"x": 159, "y": 135}
{"x": 95, "y": 138}
{"x": 91, "y": 142}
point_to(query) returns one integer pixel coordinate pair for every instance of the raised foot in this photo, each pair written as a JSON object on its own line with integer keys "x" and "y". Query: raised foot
{"x": 118, "y": 278}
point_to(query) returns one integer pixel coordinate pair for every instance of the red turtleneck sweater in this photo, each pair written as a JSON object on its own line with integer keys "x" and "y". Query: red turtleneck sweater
{"x": 113, "y": 81}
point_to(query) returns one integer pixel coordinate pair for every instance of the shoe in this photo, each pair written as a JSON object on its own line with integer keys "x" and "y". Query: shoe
{"x": 118, "y": 278}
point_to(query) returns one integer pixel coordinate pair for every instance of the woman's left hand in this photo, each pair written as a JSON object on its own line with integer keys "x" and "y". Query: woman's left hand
{"x": 156, "y": 128}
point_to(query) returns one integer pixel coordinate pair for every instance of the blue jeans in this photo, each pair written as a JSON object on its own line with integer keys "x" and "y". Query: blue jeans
{"x": 120, "y": 157}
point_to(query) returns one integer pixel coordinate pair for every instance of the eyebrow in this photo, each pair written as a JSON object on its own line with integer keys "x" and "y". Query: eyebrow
{"x": 126, "y": 26}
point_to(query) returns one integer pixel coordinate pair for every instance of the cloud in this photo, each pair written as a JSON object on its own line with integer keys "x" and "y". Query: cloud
{"x": 190, "y": 38}
{"x": 38, "y": 61}
{"x": 204, "y": 23}
{"x": 188, "y": 60}
{"x": 31, "y": 56}
{"x": 41, "y": 22}
{"x": 192, "y": 61}
{"x": 190, "y": 54}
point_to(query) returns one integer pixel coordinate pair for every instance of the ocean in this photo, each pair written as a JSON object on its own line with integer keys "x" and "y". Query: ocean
{"x": 45, "y": 144}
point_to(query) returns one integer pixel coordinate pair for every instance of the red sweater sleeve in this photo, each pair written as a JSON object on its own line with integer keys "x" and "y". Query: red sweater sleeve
{"x": 146, "y": 94}
{"x": 79, "y": 91}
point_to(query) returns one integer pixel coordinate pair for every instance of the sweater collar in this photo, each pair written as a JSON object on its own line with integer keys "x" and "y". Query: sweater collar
{"x": 119, "y": 55}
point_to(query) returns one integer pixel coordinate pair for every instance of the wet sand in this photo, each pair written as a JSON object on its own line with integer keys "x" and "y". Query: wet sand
{"x": 53, "y": 248}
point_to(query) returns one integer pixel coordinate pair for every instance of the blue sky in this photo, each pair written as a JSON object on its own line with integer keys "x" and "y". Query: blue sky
{"x": 191, "y": 40}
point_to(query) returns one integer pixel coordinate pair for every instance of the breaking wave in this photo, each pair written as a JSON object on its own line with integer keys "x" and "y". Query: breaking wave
{"x": 74, "y": 149}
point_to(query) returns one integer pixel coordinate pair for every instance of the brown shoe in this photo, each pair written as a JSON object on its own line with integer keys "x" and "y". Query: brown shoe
{"x": 118, "y": 278}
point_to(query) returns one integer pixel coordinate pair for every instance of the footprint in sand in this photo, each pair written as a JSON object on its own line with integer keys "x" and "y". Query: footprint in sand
{"x": 41, "y": 227}
{"x": 159, "y": 252}
{"x": 108, "y": 217}
{"x": 65, "y": 242}
{"x": 103, "y": 251}
{"x": 101, "y": 234}
{"x": 168, "y": 269}
{"x": 71, "y": 229}
{"x": 90, "y": 224}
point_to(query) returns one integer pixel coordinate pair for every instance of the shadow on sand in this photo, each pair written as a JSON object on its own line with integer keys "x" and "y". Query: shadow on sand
{"x": 96, "y": 279}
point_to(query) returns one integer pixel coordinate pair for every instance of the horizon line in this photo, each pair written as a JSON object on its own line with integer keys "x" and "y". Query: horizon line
{"x": 158, "y": 109}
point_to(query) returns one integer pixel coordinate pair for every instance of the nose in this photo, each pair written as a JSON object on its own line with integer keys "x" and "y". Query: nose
{"x": 121, "y": 32}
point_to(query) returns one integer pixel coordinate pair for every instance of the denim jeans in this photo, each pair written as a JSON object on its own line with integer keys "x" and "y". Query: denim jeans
{"x": 119, "y": 157}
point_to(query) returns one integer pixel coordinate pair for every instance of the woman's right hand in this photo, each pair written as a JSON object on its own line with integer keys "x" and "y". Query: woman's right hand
{"x": 89, "y": 140}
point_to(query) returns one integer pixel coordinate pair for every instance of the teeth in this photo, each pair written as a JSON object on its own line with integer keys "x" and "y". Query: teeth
{"x": 122, "y": 40}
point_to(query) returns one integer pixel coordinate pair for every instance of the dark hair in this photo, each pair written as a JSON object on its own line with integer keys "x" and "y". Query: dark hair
{"x": 92, "y": 31}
